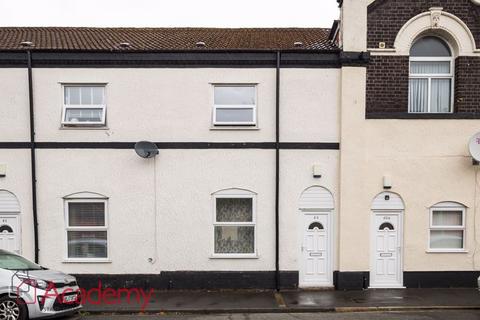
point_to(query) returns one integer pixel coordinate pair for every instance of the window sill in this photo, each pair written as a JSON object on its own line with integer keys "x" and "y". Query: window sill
{"x": 234, "y": 256}
{"x": 247, "y": 128}
{"x": 87, "y": 261}
{"x": 446, "y": 251}
{"x": 85, "y": 127}
{"x": 421, "y": 116}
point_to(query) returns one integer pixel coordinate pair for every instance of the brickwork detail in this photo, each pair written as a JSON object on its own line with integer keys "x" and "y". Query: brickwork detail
{"x": 387, "y": 84}
{"x": 386, "y": 17}
{"x": 387, "y": 76}
{"x": 467, "y": 85}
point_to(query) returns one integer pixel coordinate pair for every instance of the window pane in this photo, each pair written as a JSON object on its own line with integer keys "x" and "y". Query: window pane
{"x": 244, "y": 95}
{"x": 72, "y": 95}
{"x": 441, "y": 98}
{"x": 418, "y": 95}
{"x": 84, "y": 115}
{"x": 87, "y": 244}
{"x": 445, "y": 239}
{"x": 88, "y": 214}
{"x": 86, "y": 95}
{"x": 447, "y": 218}
{"x": 231, "y": 239}
{"x": 97, "y": 95}
{"x": 430, "y": 67}
{"x": 430, "y": 47}
{"x": 386, "y": 225}
{"x": 234, "y": 115}
{"x": 234, "y": 209}
{"x": 315, "y": 225}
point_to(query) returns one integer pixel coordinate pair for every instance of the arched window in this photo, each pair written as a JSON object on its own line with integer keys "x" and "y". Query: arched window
{"x": 6, "y": 229}
{"x": 315, "y": 225}
{"x": 386, "y": 225}
{"x": 431, "y": 76}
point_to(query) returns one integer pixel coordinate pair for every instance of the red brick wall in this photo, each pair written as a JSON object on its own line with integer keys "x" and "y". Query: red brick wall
{"x": 386, "y": 17}
{"x": 387, "y": 76}
{"x": 387, "y": 84}
{"x": 467, "y": 85}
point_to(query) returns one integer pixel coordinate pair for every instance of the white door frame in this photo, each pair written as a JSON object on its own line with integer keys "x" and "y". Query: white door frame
{"x": 10, "y": 207}
{"x": 18, "y": 228}
{"x": 373, "y": 239}
{"x": 330, "y": 249}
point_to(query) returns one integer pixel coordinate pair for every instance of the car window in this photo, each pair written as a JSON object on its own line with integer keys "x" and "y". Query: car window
{"x": 14, "y": 262}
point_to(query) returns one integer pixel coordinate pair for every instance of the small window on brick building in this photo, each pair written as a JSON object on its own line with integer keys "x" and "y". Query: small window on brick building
{"x": 431, "y": 76}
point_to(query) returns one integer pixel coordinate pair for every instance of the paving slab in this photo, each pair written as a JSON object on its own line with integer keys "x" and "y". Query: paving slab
{"x": 383, "y": 298}
{"x": 241, "y": 301}
{"x": 193, "y": 301}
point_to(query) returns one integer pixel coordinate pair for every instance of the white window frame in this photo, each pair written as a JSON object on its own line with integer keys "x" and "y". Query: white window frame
{"x": 238, "y": 194}
{"x": 230, "y": 106}
{"x": 447, "y": 206}
{"x": 91, "y": 228}
{"x": 82, "y": 106}
{"x": 429, "y": 77}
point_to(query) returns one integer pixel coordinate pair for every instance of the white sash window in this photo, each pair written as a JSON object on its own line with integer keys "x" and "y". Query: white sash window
{"x": 447, "y": 227}
{"x": 234, "y": 224}
{"x": 235, "y": 105}
{"x": 83, "y": 105}
{"x": 86, "y": 221}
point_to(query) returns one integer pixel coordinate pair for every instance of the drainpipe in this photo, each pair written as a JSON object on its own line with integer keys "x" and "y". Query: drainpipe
{"x": 277, "y": 174}
{"x": 32, "y": 154}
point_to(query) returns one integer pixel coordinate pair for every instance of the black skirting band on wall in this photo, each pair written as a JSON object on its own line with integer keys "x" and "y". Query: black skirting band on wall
{"x": 191, "y": 280}
{"x": 175, "y": 145}
{"x": 178, "y": 280}
{"x": 411, "y": 279}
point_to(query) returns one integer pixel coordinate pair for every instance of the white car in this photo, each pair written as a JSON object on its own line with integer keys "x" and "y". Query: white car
{"x": 30, "y": 291}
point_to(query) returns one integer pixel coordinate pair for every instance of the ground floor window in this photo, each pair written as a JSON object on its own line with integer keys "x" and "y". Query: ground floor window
{"x": 447, "y": 227}
{"x": 234, "y": 224}
{"x": 86, "y": 222}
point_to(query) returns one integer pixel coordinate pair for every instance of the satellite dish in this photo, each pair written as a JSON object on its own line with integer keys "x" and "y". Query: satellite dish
{"x": 146, "y": 149}
{"x": 474, "y": 146}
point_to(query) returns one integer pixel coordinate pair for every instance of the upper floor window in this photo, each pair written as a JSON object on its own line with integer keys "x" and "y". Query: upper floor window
{"x": 447, "y": 227}
{"x": 431, "y": 77}
{"x": 83, "y": 105}
{"x": 235, "y": 105}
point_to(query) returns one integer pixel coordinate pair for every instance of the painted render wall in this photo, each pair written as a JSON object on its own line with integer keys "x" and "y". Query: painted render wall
{"x": 175, "y": 105}
{"x": 185, "y": 181}
{"x": 295, "y": 177}
{"x": 18, "y": 181}
{"x": 14, "y": 114}
{"x": 354, "y": 233}
{"x": 428, "y": 162}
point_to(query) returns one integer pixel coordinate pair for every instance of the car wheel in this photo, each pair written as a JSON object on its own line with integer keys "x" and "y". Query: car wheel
{"x": 12, "y": 309}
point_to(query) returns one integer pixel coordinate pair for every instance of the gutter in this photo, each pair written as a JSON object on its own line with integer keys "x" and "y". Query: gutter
{"x": 277, "y": 174}
{"x": 33, "y": 154}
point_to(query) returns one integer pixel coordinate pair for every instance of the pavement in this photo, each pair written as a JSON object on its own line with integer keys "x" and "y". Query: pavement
{"x": 415, "y": 315}
{"x": 241, "y": 301}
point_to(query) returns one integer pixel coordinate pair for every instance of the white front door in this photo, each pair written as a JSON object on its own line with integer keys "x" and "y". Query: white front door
{"x": 387, "y": 251}
{"x": 9, "y": 233}
{"x": 315, "y": 268}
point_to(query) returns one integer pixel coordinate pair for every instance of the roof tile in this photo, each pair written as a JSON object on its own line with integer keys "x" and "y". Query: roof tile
{"x": 152, "y": 39}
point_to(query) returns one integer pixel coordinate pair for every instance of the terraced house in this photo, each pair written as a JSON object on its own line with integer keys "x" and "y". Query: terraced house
{"x": 287, "y": 157}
